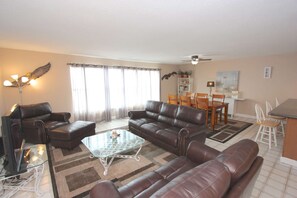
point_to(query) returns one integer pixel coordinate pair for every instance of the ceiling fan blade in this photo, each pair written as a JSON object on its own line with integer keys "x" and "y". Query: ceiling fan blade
{"x": 205, "y": 59}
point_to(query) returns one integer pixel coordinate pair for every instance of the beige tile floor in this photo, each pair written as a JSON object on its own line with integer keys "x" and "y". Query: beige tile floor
{"x": 275, "y": 180}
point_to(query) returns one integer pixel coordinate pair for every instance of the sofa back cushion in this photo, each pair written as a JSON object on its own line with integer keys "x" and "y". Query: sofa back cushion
{"x": 34, "y": 110}
{"x": 239, "y": 157}
{"x": 168, "y": 113}
{"x": 211, "y": 179}
{"x": 189, "y": 117}
{"x": 153, "y": 109}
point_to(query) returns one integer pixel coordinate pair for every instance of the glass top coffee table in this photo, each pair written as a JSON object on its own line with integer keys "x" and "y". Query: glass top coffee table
{"x": 109, "y": 145}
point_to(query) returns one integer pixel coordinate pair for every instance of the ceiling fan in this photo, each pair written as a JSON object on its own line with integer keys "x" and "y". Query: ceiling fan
{"x": 195, "y": 59}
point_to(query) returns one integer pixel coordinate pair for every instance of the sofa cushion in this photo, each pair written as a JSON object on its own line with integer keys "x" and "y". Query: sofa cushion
{"x": 33, "y": 110}
{"x": 210, "y": 179}
{"x": 239, "y": 157}
{"x": 175, "y": 167}
{"x": 54, "y": 124}
{"x": 44, "y": 118}
{"x": 152, "y": 128}
{"x": 138, "y": 122}
{"x": 143, "y": 186}
{"x": 153, "y": 109}
{"x": 187, "y": 115}
{"x": 168, "y": 113}
{"x": 168, "y": 135}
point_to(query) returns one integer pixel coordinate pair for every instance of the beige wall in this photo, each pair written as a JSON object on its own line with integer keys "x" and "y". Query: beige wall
{"x": 252, "y": 85}
{"x": 55, "y": 86}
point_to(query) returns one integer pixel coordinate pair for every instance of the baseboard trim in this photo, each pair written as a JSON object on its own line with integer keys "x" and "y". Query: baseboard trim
{"x": 288, "y": 161}
{"x": 245, "y": 115}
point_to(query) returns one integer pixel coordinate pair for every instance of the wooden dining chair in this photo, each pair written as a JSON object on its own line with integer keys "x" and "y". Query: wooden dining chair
{"x": 172, "y": 99}
{"x": 200, "y": 95}
{"x": 218, "y": 98}
{"x": 185, "y": 101}
{"x": 203, "y": 104}
{"x": 189, "y": 94}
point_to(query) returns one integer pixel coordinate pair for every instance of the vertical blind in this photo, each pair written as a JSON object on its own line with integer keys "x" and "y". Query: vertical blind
{"x": 102, "y": 93}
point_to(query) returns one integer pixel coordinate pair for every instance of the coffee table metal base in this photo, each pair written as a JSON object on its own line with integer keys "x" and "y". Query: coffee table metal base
{"x": 106, "y": 164}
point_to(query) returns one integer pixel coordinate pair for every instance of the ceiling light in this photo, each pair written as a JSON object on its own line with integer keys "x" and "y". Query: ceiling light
{"x": 195, "y": 60}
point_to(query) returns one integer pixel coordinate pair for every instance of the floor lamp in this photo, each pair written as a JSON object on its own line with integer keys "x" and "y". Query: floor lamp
{"x": 210, "y": 84}
{"x": 18, "y": 82}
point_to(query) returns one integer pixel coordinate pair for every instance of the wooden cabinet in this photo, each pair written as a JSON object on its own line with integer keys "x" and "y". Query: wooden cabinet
{"x": 184, "y": 85}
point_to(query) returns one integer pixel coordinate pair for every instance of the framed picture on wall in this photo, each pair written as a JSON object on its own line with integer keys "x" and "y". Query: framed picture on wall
{"x": 227, "y": 81}
{"x": 267, "y": 72}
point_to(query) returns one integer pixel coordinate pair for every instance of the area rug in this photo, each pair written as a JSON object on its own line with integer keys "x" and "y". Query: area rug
{"x": 74, "y": 173}
{"x": 224, "y": 132}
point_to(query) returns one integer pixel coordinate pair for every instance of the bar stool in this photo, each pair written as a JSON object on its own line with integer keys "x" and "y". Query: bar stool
{"x": 267, "y": 127}
{"x": 279, "y": 119}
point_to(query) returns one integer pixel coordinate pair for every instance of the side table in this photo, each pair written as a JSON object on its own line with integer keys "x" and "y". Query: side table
{"x": 11, "y": 183}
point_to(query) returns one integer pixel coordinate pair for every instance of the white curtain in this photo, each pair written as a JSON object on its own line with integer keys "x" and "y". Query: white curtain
{"x": 102, "y": 93}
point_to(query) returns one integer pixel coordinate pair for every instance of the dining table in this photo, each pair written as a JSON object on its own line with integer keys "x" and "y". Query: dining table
{"x": 213, "y": 106}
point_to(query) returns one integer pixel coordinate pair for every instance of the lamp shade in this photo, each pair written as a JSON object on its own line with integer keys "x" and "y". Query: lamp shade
{"x": 210, "y": 84}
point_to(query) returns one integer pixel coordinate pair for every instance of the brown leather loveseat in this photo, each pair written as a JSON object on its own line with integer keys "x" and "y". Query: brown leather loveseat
{"x": 171, "y": 127}
{"x": 203, "y": 172}
{"x": 38, "y": 119}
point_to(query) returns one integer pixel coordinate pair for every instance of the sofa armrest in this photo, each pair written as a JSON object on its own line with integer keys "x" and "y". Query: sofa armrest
{"x": 136, "y": 114}
{"x": 32, "y": 123}
{"x": 61, "y": 116}
{"x": 187, "y": 134}
{"x": 34, "y": 131}
{"x": 199, "y": 152}
{"x": 104, "y": 189}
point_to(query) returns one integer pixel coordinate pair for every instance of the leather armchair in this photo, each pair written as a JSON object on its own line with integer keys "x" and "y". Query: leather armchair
{"x": 38, "y": 119}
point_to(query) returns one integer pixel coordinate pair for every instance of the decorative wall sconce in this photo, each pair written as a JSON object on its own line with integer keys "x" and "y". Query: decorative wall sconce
{"x": 27, "y": 79}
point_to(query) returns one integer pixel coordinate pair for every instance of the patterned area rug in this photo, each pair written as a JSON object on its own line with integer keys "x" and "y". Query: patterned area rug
{"x": 224, "y": 132}
{"x": 74, "y": 173}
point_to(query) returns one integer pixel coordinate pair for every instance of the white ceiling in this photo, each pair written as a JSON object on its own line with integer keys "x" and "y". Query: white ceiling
{"x": 160, "y": 31}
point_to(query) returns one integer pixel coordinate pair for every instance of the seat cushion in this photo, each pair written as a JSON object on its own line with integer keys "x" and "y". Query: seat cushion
{"x": 153, "y": 127}
{"x": 50, "y": 125}
{"x": 168, "y": 135}
{"x": 151, "y": 182}
{"x": 136, "y": 123}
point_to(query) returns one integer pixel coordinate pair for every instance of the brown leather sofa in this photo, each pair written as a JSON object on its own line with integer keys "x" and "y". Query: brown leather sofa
{"x": 38, "y": 119}
{"x": 203, "y": 172}
{"x": 171, "y": 127}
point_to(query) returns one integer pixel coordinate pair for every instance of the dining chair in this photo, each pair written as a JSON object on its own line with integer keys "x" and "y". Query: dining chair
{"x": 185, "y": 101}
{"x": 218, "y": 98}
{"x": 267, "y": 128}
{"x": 279, "y": 119}
{"x": 203, "y": 104}
{"x": 201, "y": 95}
{"x": 189, "y": 94}
{"x": 172, "y": 99}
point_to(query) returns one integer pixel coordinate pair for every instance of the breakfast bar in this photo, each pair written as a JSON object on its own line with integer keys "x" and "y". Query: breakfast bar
{"x": 288, "y": 109}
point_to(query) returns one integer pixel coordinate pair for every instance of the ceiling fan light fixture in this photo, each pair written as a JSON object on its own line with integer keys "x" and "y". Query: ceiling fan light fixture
{"x": 195, "y": 60}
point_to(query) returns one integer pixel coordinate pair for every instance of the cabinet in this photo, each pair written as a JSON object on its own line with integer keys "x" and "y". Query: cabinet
{"x": 184, "y": 85}
{"x": 231, "y": 105}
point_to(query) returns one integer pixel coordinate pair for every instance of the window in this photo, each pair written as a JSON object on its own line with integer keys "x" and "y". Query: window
{"x": 104, "y": 93}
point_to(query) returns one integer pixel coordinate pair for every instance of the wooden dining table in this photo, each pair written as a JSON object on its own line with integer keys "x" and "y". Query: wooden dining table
{"x": 213, "y": 106}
